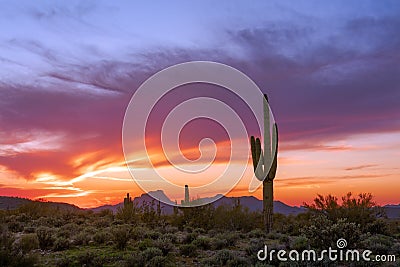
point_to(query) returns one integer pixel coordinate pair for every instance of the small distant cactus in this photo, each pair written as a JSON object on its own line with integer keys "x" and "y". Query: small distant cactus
{"x": 265, "y": 164}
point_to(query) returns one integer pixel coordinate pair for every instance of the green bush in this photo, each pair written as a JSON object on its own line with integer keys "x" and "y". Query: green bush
{"x": 164, "y": 245}
{"x": 61, "y": 243}
{"x": 257, "y": 233}
{"x": 151, "y": 252}
{"x": 299, "y": 243}
{"x": 144, "y": 244}
{"x": 189, "y": 238}
{"x": 82, "y": 238}
{"x": 172, "y": 237}
{"x": 203, "y": 242}
{"x": 121, "y": 236}
{"x": 63, "y": 262}
{"x": 323, "y": 232}
{"x": 223, "y": 256}
{"x": 217, "y": 244}
{"x": 378, "y": 244}
{"x": 28, "y": 242}
{"x": 29, "y": 229}
{"x": 152, "y": 234}
{"x": 134, "y": 260}
{"x": 45, "y": 237}
{"x": 158, "y": 261}
{"x": 138, "y": 233}
{"x": 15, "y": 226}
{"x": 90, "y": 259}
{"x": 189, "y": 250}
{"x": 102, "y": 237}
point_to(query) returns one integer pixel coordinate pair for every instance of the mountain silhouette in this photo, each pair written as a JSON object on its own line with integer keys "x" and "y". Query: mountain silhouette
{"x": 250, "y": 202}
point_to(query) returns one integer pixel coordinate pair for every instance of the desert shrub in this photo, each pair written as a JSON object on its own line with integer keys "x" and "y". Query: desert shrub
{"x": 21, "y": 259}
{"x": 45, "y": 237}
{"x": 379, "y": 226}
{"x": 223, "y": 256}
{"x": 189, "y": 250}
{"x": 90, "y": 259}
{"x": 121, "y": 236}
{"x": 378, "y": 244}
{"x": 170, "y": 236}
{"x": 254, "y": 245}
{"x": 134, "y": 260}
{"x": 189, "y": 238}
{"x": 128, "y": 213}
{"x": 151, "y": 252}
{"x": 103, "y": 222}
{"x": 145, "y": 243}
{"x": 10, "y": 256}
{"x": 395, "y": 249}
{"x": 102, "y": 237}
{"x": 29, "y": 229}
{"x": 86, "y": 258}
{"x": 164, "y": 245}
{"x": 63, "y": 233}
{"x": 284, "y": 239}
{"x": 138, "y": 232}
{"x": 199, "y": 231}
{"x": 171, "y": 229}
{"x": 72, "y": 228}
{"x": 256, "y": 233}
{"x": 63, "y": 262}
{"x": 15, "y": 226}
{"x": 217, "y": 243}
{"x": 90, "y": 230}
{"x": 158, "y": 261}
{"x": 152, "y": 234}
{"x": 360, "y": 210}
{"x": 188, "y": 229}
{"x": 274, "y": 235}
{"x": 238, "y": 262}
{"x": 82, "y": 238}
{"x": 61, "y": 243}
{"x": 323, "y": 232}
{"x": 28, "y": 242}
{"x": 231, "y": 238}
{"x": 299, "y": 243}
{"x": 203, "y": 242}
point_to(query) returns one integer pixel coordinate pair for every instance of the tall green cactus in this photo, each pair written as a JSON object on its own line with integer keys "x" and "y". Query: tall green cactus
{"x": 265, "y": 164}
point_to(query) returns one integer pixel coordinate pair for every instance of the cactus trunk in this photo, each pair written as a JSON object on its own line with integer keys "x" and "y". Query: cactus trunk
{"x": 268, "y": 204}
{"x": 265, "y": 164}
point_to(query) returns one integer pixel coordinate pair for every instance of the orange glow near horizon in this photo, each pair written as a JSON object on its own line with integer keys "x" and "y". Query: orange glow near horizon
{"x": 302, "y": 174}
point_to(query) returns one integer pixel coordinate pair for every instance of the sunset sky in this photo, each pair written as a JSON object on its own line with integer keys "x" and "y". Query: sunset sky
{"x": 68, "y": 70}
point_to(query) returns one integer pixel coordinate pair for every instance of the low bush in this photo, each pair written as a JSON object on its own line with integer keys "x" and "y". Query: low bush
{"x": 61, "y": 243}
{"x": 164, "y": 245}
{"x": 189, "y": 238}
{"x": 45, "y": 237}
{"x": 28, "y": 242}
{"x": 121, "y": 236}
{"x": 217, "y": 244}
{"x": 151, "y": 252}
{"x": 81, "y": 238}
{"x": 189, "y": 250}
{"x": 203, "y": 242}
{"x": 144, "y": 244}
{"x": 102, "y": 237}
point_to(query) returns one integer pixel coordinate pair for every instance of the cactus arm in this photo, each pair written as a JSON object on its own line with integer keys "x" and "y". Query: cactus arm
{"x": 272, "y": 171}
{"x": 253, "y": 152}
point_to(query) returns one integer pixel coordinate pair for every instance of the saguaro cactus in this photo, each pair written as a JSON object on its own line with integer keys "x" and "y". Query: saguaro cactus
{"x": 265, "y": 164}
